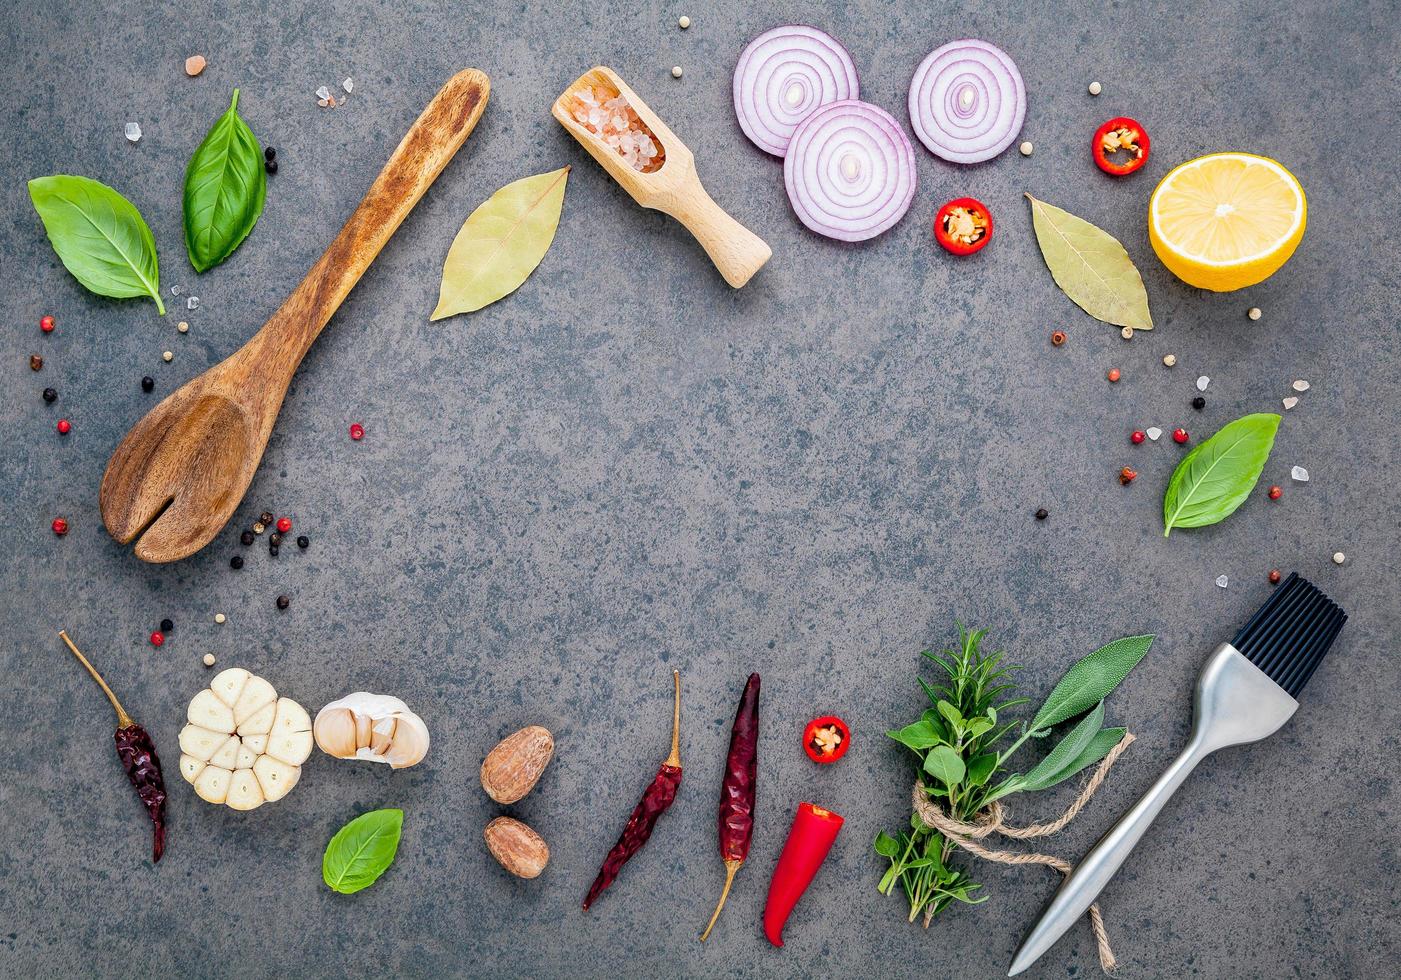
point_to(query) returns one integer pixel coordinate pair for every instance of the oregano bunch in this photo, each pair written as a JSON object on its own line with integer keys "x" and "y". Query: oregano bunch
{"x": 963, "y": 745}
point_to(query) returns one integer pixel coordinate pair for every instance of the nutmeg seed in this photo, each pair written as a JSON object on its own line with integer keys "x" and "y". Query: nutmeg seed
{"x": 516, "y": 847}
{"x": 512, "y": 768}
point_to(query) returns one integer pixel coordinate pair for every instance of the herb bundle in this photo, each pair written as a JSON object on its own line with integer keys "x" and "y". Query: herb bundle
{"x": 963, "y": 747}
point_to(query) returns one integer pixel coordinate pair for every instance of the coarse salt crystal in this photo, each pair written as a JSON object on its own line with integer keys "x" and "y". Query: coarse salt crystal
{"x": 1152, "y": 432}
{"x": 348, "y": 85}
{"x": 1300, "y": 385}
{"x": 133, "y": 131}
{"x": 1202, "y": 382}
{"x": 175, "y": 290}
{"x": 1290, "y": 402}
{"x": 323, "y": 94}
{"x": 1222, "y": 581}
{"x": 192, "y": 303}
{"x": 1300, "y": 474}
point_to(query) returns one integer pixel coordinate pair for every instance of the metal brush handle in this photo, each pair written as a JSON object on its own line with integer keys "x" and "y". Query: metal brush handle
{"x": 1235, "y": 703}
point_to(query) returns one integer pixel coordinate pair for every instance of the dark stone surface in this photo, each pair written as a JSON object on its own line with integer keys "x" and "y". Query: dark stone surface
{"x": 627, "y": 466}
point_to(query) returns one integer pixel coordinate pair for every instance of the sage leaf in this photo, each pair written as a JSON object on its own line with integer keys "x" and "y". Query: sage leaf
{"x": 1218, "y": 475}
{"x": 945, "y": 764}
{"x": 1091, "y": 267}
{"x": 1067, "y": 750}
{"x": 887, "y": 846}
{"x": 501, "y": 243}
{"x": 1099, "y": 746}
{"x": 99, "y": 236}
{"x": 919, "y": 736}
{"x": 225, "y": 188}
{"x": 362, "y": 850}
{"x": 1091, "y": 680}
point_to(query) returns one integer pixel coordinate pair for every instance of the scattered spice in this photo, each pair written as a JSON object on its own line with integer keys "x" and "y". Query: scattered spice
{"x": 1276, "y": 492}
{"x": 133, "y": 132}
{"x": 50, "y": 395}
{"x": 303, "y": 541}
{"x": 274, "y": 539}
{"x": 1127, "y": 475}
{"x": 246, "y": 537}
{"x": 1202, "y": 382}
{"x": 1096, "y": 88}
{"x": 209, "y": 660}
{"x": 157, "y": 638}
{"x": 1126, "y": 333}
{"x": 269, "y": 153}
{"x": 60, "y": 526}
{"x": 1199, "y": 403}
{"x": 1299, "y": 474}
{"x": 1339, "y": 558}
{"x": 220, "y": 618}
{"x": 655, "y": 801}
{"x": 1290, "y": 402}
{"x": 1057, "y": 338}
{"x": 64, "y": 427}
{"x": 1026, "y": 148}
{"x": 1120, "y": 135}
{"x": 684, "y": 22}
{"x": 1274, "y": 576}
{"x": 809, "y": 839}
{"x": 1254, "y": 313}
{"x": 963, "y": 225}
{"x": 168, "y": 356}
{"x": 357, "y": 431}
{"x": 183, "y": 327}
{"x": 265, "y": 517}
{"x": 236, "y": 562}
{"x": 1222, "y": 581}
{"x": 605, "y": 113}
{"x": 270, "y": 166}
{"x": 826, "y": 739}
{"x": 259, "y": 527}
{"x": 1153, "y": 432}
{"x": 1137, "y": 436}
{"x": 1169, "y": 360}
{"x": 1041, "y": 514}
{"x": 1113, "y": 375}
{"x": 192, "y": 303}
{"x": 167, "y": 625}
{"x": 737, "y": 791}
{"x": 36, "y": 363}
{"x": 148, "y": 384}
{"x": 1300, "y": 385}
{"x": 1179, "y": 435}
{"x": 283, "y": 602}
{"x": 273, "y": 550}
{"x": 194, "y": 64}
{"x": 284, "y": 524}
{"x": 138, "y": 756}
{"x": 46, "y": 324}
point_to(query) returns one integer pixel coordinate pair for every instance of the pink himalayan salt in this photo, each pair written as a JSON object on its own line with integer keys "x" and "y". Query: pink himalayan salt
{"x": 609, "y": 117}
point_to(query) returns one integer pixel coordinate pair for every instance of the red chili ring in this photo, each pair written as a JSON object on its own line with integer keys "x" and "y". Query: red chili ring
{"x": 1134, "y": 160}
{"x": 954, "y": 245}
{"x": 815, "y": 753}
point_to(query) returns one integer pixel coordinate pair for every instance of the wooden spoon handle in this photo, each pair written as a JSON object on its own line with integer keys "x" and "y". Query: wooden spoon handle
{"x": 736, "y": 251}
{"x": 421, "y": 155}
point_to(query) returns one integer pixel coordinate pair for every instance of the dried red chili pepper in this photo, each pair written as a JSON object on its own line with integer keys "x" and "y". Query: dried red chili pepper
{"x": 655, "y": 801}
{"x": 1120, "y": 135}
{"x": 810, "y": 838}
{"x": 737, "y": 791}
{"x": 138, "y": 756}
{"x": 963, "y": 226}
{"x": 826, "y": 739}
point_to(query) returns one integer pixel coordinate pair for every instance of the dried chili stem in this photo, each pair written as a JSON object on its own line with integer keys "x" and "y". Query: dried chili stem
{"x": 675, "y": 758}
{"x": 731, "y": 869}
{"x": 124, "y": 720}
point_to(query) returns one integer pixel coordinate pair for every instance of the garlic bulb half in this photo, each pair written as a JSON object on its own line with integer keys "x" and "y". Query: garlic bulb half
{"x": 372, "y": 727}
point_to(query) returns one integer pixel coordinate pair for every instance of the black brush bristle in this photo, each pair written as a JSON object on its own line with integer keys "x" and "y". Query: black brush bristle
{"x": 1288, "y": 636}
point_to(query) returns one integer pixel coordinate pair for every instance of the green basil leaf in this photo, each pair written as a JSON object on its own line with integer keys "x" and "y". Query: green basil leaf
{"x": 225, "y": 187}
{"x": 362, "y": 850}
{"x": 99, "y": 235}
{"x": 1091, "y": 680}
{"x": 1091, "y": 267}
{"x": 1067, "y": 751}
{"x": 887, "y": 846}
{"x": 1099, "y": 747}
{"x": 1217, "y": 476}
{"x": 945, "y": 765}
{"x": 920, "y": 735}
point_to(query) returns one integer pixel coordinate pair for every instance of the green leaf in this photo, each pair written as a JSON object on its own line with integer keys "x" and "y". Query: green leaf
{"x": 362, "y": 850}
{"x": 99, "y": 236}
{"x": 1098, "y": 748}
{"x": 945, "y": 765}
{"x": 1091, "y": 680}
{"x": 1067, "y": 751}
{"x": 921, "y": 735}
{"x": 978, "y": 726}
{"x": 1091, "y": 267}
{"x": 980, "y": 768}
{"x": 951, "y": 714}
{"x": 225, "y": 187}
{"x": 887, "y": 846}
{"x": 1217, "y": 476}
{"x": 501, "y": 243}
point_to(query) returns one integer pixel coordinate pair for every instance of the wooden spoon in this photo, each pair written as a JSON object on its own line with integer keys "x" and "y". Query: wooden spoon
{"x": 673, "y": 188}
{"x": 183, "y": 469}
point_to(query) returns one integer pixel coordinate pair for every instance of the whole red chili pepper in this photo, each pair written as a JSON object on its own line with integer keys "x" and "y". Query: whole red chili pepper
{"x": 737, "y": 791}
{"x": 1120, "y": 134}
{"x": 655, "y": 801}
{"x": 963, "y": 225}
{"x": 138, "y": 756}
{"x": 814, "y": 829}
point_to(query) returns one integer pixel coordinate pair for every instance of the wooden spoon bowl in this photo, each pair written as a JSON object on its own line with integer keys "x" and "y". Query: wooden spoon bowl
{"x": 180, "y": 473}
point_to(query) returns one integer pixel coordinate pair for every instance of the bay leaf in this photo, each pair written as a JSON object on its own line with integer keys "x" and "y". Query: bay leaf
{"x": 501, "y": 243}
{"x": 1091, "y": 267}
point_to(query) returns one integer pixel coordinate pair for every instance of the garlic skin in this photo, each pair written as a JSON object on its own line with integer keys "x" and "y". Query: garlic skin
{"x": 372, "y": 728}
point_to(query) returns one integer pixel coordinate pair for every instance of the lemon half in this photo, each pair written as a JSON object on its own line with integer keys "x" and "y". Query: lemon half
{"x": 1227, "y": 220}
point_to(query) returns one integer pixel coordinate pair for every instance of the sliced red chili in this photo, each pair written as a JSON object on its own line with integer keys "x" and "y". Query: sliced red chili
{"x": 963, "y": 226}
{"x": 1120, "y": 146}
{"x": 825, "y": 740}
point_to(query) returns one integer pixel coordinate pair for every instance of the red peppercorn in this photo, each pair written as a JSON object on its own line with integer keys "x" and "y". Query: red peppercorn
{"x": 1276, "y": 493}
{"x": 64, "y": 426}
{"x": 46, "y": 324}
{"x": 1057, "y": 338}
{"x": 1137, "y": 436}
{"x": 357, "y": 431}
{"x": 1127, "y": 476}
{"x": 284, "y": 524}
{"x": 1274, "y": 576}
{"x": 1113, "y": 375}
{"x": 60, "y": 526}
{"x": 1180, "y": 435}
{"x": 157, "y": 638}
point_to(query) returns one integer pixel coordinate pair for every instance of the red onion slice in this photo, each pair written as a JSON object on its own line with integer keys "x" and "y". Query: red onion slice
{"x": 850, "y": 171}
{"x": 967, "y": 101}
{"x": 783, "y": 76}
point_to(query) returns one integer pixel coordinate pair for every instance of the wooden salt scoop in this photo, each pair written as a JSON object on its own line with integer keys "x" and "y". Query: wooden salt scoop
{"x": 673, "y": 188}
{"x": 182, "y": 470}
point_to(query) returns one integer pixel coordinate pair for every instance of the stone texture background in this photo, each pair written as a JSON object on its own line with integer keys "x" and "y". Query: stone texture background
{"x": 627, "y": 467}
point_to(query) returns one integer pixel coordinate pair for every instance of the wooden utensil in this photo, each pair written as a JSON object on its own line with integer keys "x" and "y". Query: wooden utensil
{"x": 181, "y": 471}
{"x": 674, "y": 188}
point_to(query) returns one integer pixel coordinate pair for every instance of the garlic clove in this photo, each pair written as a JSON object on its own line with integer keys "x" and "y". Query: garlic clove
{"x": 371, "y": 728}
{"x": 410, "y": 742}
{"x": 291, "y": 748}
{"x": 335, "y": 732}
{"x": 244, "y": 792}
{"x": 257, "y": 744}
{"x": 260, "y": 722}
{"x": 201, "y": 743}
{"x": 256, "y": 695}
{"x": 290, "y": 717}
{"x": 227, "y": 685}
{"x": 382, "y": 735}
{"x": 207, "y": 711}
{"x": 227, "y": 754}
{"x": 212, "y": 784}
{"x": 190, "y": 767}
{"x": 246, "y": 756}
{"x": 276, "y": 778}
{"x": 364, "y": 725}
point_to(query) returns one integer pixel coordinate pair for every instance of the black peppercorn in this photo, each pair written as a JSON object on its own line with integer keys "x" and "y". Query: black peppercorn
{"x": 265, "y": 518}
{"x": 270, "y": 153}
{"x": 271, "y": 166}
{"x": 283, "y": 602}
{"x": 274, "y": 539}
{"x": 50, "y": 395}
{"x": 236, "y": 562}
{"x": 246, "y": 537}
{"x": 1041, "y": 514}
{"x": 303, "y": 541}
{"x": 273, "y": 550}
{"x": 1199, "y": 403}
{"x": 148, "y": 383}
{"x": 167, "y": 626}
